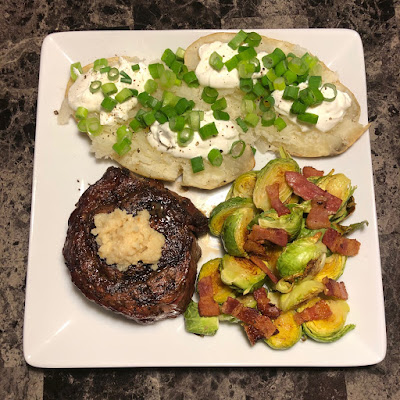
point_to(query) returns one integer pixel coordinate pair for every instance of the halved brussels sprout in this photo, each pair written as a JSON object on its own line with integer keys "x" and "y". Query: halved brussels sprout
{"x": 300, "y": 293}
{"x": 220, "y": 290}
{"x": 241, "y": 274}
{"x": 243, "y": 185}
{"x": 291, "y": 223}
{"x": 296, "y": 256}
{"x": 333, "y": 268}
{"x": 332, "y": 328}
{"x": 222, "y": 211}
{"x": 194, "y": 323}
{"x": 289, "y": 332}
{"x": 234, "y": 231}
{"x": 274, "y": 172}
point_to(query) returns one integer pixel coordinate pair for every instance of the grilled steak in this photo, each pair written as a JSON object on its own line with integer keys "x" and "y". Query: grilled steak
{"x": 140, "y": 293}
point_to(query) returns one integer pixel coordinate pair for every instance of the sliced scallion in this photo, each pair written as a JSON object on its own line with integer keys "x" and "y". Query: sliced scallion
{"x": 155, "y": 70}
{"x": 149, "y": 118}
{"x": 246, "y": 84}
{"x": 182, "y": 106}
{"x": 113, "y": 74}
{"x": 103, "y": 70}
{"x": 191, "y": 79}
{"x": 135, "y": 125}
{"x": 125, "y": 77}
{"x": 169, "y": 112}
{"x": 76, "y": 70}
{"x": 330, "y": 86}
{"x": 253, "y": 39}
{"x": 207, "y": 131}
{"x": 185, "y": 137}
{"x": 150, "y": 86}
{"x": 100, "y": 63}
{"x": 135, "y": 67}
{"x": 259, "y": 90}
{"x": 237, "y": 40}
{"x": 248, "y": 54}
{"x": 242, "y": 124}
{"x": 209, "y": 95}
{"x": 232, "y": 63}
{"x": 193, "y": 120}
{"x": 314, "y": 81}
{"x": 216, "y": 61}
{"x": 177, "y": 123}
{"x": 237, "y": 148}
{"x": 109, "y": 103}
{"x": 169, "y": 99}
{"x": 94, "y": 86}
{"x": 308, "y": 117}
{"x": 251, "y": 119}
{"x": 215, "y": 157}
{"x": 281, "y": 68}
{"x": 168, "y": 57}
{"x": 268, "y": 118}
{"x": 81, "y": 113}
{"x": 298, "y": 107}
{"x": 246, "y": 69}
{"x": 143, "y": 97}
{"x": 109, "y": 88}
{"x": 93, "y": 126}
{"x": 248, "y": 106}
{"x": 221, "y": 115}
{"x": 291, "y": 93}
{"x": 121, "y": 148}
{"x": 279, "y": 83}
{"x": 279, "y": 123}
{"x": 124, "y": 95}
{"x": 220, "y": 104}
{"x": 298, "y": 66}
{"x": 167, "y": 79}
{"x": 289, "y": 77}
{"x": 176, "y": 67}
{"x": 197, "y": 164}
{"x": 180, "y": 54}
{"x": 160, "y": 117}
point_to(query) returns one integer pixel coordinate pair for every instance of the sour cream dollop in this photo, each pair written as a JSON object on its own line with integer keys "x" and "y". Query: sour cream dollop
{"x": 79, "y": 94}
{"x": 164, "y": 139}
{"x": 330, "y": 113}
{"x": 222, "y": 79}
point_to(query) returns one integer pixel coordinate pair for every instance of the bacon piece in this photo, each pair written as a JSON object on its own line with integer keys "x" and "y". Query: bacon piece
{"x": 260, "y": 264}
{"x": 318, "y": 216}
{"x": 335, "y": 289}
{"x": 339, "y": 244}
{"x": 310, "y": 171}
{"x": 249, "y": 316}
{"x": 308, "y": 191}
{"x": 253, "y": 247}
{"x": 208, "y": 307}
{"x": 253, "y": 334}
{"x": 277, "y": 205}
{"x": 264, "y": 305}
{"x": 320, "y": 310}
{"x": 274, "y": 235}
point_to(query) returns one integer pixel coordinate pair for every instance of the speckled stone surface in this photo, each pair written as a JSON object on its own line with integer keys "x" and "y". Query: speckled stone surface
{"x": 23, "y": 26}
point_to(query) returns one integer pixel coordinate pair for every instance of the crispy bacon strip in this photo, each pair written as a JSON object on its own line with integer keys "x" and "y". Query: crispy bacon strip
{"x": 318, "y": 217}
{"x": 208, "y": 307}
{"x": 335, "y": 289}
{"x": 253, "y": 334}
{"x": 249, "y": 316}
{"x": 320, "y": 310}
{"x": 264, "y": 305}
{"x": 339, "y": 244}
{"x": 250, "y": 246}
{"x": 308, "y": 191}
{"x": 310, "y": 171}
{"x": 274, "y": 235}
{"x": 277, "y": 205}
{"x": 260, "y": 264}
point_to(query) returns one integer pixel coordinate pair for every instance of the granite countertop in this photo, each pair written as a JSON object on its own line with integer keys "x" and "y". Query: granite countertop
{"x": 23, "y": 26}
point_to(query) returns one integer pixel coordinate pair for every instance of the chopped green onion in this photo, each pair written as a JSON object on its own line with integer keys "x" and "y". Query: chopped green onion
{"x": 113, "y": 74}
{"x": 176, "y": 67}
{"x": 135, "y": 92}
{"x": 279, "y": 123}
{"x": 242, "y": 124}
{"x": 308, "y": 117}
{"x": 271, "y": 75}
{"x": 191, "y": 79}
{"x": 197, "y": 164}
{"x": 268, "y": 118}
{"x": 302, "y": 78}
{"x": 246, "y": 84}
{"x": 124, "y": 95}
{"x": 108, "y": 103}
{"x": 135, "y": 125}
{"x": 256, "y": 63}
{"x": 169, "y": 99}
{"x": 237, "y": 148}
{"x": 267, "y": 83}
{"x": 93, "y": 126}
{"x": 150, "y": 86}
{"x": 248, "y": 54}
{"x": 125, "y": 77}
{"x": 139, "y": 116}
{"x": 237, "y": 40}
{"x": 185, "y": 137}
{"x": 209, "y": 95}
{"x": 180, "y": 54}
{"x": 182, "y": 106}
{"x": 156, "y": 70}
{"x": 314, "y": 81}
{"x": 291, "y": 93}
{"x": 105, "y": 69}
{"x": 221, "y": 115}
{"x": 242, "y": 48}
{"x": 289, "y": 77}
{"x": 251, "y": 119}
{"x": 81, "y": 113}
{"x": 220, "y": 104}
{"x": 279, "y": 83}
{"x": 76, "y": 70}
{"x": 259, "y": 90}
{"x": 183, "y": 71}
{"x": 160, "y": 117}
{"x": 215, "y": 157}
{"x": 122, "y": 133}
{"x": 82, "y": 126}
{"x": 248, "y": 106}
{"x": 177, "y": 123}
{"x": 143, "y": 98}
{"x": 266, "y": 103}
{"x": 121, "y": 148}
{"x": 207, "y": 131}
{"x": 273, "y": 58}
{"x": 169, "y": 111}
{"x": 298, "y": 107}
{"x": 95, "y": 86}
{"x": 149, "y": 118}
{"x": 330, "y": 86}
{"x": 154, "y": 103}
{"x": 253, "y": 39}
{"x": 168, "y": 57}
{"x": 135, "y": 67}
{"x": 281, "y": 68}
{"x": 194, "y": 120}
{"x": 109, "y": 88}
{"x": 216, "y": 61}
{"x": 298, "y": 66}
{"x": 232, "y": 63}
{"x": 309, "y": 60}
{"x": 246, "y": 69}
{"x": 319, "y": 97}
{"x": 167, "y": 79}
{"x": 100, "y": 63}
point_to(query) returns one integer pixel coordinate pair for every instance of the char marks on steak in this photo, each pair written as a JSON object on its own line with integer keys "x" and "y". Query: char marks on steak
{"x": 140, "y": 293}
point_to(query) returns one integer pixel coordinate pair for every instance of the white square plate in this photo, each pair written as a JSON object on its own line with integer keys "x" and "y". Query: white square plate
{"x": 63, "y": 329}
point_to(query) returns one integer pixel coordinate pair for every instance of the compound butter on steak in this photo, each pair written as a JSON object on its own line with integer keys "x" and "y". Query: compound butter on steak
{"x": 145, "y": 292}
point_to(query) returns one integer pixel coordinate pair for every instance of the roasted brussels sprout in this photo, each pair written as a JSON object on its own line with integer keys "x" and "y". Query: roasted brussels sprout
{"x": 332, "y": 328}
{"x": 241, "y": 274}
{"x": 289, "y": 332}
{"x": 220, "y": 290}
{"x": 223, "y": 210}
{"x": 234, "y": 231}
{"x": 243, "y": 186}
{"x": 295, "y": 257}
{"x": 194, "y": 323}
{"x": 291, "y": 223}
{"x": 274, "y": 172}
{"x": 301, "y": 292}
{"x": 247, "y": 300}
{"x": 333, "y": 268}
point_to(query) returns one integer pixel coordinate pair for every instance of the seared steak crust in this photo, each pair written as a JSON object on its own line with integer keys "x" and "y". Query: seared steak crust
{"x": 139, "y": 293}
